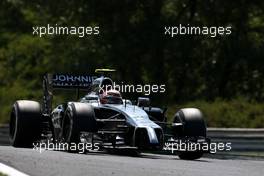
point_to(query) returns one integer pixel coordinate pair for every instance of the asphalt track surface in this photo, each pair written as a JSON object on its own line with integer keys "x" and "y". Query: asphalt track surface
{"x": 54, "y": 163}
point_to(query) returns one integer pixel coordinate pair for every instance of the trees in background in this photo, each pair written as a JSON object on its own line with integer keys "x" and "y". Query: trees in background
{"x": 132, "y": 40}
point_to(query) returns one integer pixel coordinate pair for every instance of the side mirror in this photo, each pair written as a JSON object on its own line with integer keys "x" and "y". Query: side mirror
{"x": 143, "y": 102}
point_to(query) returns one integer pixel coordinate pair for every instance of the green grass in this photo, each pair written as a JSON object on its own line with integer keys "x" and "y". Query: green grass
{"x": 220, "y": 113}
{"x": 1, "y": 174}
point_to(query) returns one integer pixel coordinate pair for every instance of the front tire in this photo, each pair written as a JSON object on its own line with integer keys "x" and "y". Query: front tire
{"x": 193, "y": 126}
{"x": 78, "y": 117}
{"x": 24, "y": 126}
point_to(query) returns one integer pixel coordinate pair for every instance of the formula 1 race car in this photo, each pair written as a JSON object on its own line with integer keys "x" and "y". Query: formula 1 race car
{"x": 102, "y": 117}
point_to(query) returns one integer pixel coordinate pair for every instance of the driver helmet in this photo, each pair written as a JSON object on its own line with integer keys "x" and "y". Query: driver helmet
{"x": 111, "y": 96}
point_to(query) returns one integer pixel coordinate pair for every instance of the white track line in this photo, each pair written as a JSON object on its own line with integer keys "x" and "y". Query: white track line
{"x": 10, "y": 171}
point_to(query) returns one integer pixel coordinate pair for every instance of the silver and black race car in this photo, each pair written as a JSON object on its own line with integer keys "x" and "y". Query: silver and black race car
{"x": 102, "y": 117}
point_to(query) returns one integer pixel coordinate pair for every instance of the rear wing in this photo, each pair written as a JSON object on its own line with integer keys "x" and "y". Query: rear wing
{"x": 68, "y": 81}
{"x": 63, "y": 81}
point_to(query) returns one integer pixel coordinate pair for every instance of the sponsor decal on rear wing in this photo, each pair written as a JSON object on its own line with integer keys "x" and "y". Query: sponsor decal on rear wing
{"x": 63, "y": 81}
{"x": 69, "y": 80}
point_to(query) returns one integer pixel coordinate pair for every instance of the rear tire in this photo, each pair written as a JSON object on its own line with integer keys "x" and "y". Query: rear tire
{"x": 24, "y": 126}
{"x": 78, "y": 117}
{"x": 193, "y": 126}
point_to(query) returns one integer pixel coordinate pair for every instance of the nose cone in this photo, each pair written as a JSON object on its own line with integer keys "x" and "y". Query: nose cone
{"x": 148, "y": 138}
{"x": 153, "y": 139}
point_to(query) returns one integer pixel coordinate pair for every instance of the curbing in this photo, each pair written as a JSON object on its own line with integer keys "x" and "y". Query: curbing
{"x": 7, "y": 170}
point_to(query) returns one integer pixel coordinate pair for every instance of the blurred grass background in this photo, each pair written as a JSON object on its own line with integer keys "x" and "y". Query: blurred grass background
{"x": 221, "y": 113}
